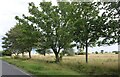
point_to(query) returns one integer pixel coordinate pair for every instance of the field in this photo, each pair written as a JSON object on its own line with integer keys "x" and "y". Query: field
{"x": 99, "y": 64}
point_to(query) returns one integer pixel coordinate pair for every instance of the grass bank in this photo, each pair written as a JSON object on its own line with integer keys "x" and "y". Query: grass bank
{"x": 37, "y": 67}
{"x": 69, "y": 66}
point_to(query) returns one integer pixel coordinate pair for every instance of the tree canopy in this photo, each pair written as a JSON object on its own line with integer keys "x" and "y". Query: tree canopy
{"x": 57, "y": 27}
{"x": 21, "y": 38}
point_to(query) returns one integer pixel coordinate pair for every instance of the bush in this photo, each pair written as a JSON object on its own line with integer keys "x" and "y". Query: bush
{"x": 96, "y": 52}
{"x": 41, "y": 51}
{"x": 106, "y": 52}
{"x": 69, "y": 52}
{"x": 6, "y": 53}
{"x": 76, "y": 53}
{"x": 81, "y": 53}
{"x": 102, "y": 51}
{"x": 116, "y": 52}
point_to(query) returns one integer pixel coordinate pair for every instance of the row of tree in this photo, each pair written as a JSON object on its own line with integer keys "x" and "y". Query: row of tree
{"x": 57, "y": 27}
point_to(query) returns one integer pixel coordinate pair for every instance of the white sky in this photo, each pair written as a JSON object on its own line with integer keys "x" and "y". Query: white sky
{"x": 11, "y": 8}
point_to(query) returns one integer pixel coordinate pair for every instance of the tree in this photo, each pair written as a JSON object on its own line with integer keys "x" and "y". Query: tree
{"x": 111, "y": 29}
{"x": 52, "y": 25}
{"x": 20, "y": 38}
{"x": 79, "y": 22}
{"x": 102, "y": 51}
{"x": 29, "y": 35}
{"x": 9, "y": 42}
{"x": 114, "y": 13}
{"x": 85, "y": 26}
{"x": 90, "y": 27}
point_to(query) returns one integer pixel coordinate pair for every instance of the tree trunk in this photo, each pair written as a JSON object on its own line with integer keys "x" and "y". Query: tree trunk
{"x": 44, "y": 53}
{"x": 86, "y": 52}
{"x": 57, "y": 58}
{"x": 22, "y": 54}
{"x": 30, "y": 54}
{"x": 56, "y": 52}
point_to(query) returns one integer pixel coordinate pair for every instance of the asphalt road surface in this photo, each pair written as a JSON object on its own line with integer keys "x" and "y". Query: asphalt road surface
{"x": 9, "y": 70}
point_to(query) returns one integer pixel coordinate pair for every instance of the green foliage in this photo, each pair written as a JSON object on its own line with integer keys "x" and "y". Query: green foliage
{"x": 56, "y": 27}
{"x": 6, "y": 53}
{"x": 86, "y": 28}
{"x": 110, "y": 31}
{"x": 53, "y": 25}
{"x": 41, "y": 51}
{"x": 106, "y": 52}
{"x": 20, "y": 38}
{"x": 86, "y": 25}
{"x": 41, "y": 68}
{"x": 116, "y": 52}
{"x": 81, "y": 53}
{"x": 96, "y": 52}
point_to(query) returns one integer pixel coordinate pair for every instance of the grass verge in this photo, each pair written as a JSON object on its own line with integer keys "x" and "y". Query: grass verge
{"x": 40, "y": 67}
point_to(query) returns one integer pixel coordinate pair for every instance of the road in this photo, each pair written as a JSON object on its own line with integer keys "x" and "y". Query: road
{"x": 9, "y": 70}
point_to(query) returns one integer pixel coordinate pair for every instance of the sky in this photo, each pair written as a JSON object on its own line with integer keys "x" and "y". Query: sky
{"x": 11, "y": 8}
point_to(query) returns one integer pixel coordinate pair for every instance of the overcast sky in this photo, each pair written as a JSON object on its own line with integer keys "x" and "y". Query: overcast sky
{"x": 11, "y": 8}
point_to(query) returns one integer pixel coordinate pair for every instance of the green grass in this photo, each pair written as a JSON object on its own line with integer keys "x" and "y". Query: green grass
{"x": 69, "y": 66}
{"x": 41, "y": 68}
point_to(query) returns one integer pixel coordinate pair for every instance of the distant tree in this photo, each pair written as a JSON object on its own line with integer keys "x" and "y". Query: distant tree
{"x": 116, "y": 52}
{"x": 5, "y": 53}
{"x": 41, "y": 51}
{"x": 69, "y": 52}
{"x": 106, "y": 52}
{"x": 102, "y": 51}
{"x": 9, "y": 43}
{"x": 81, "y": 53}
{"x": 96, "y": 52}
